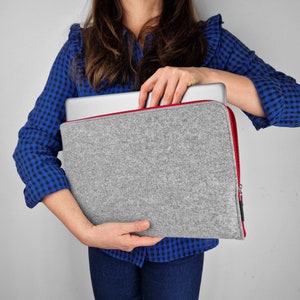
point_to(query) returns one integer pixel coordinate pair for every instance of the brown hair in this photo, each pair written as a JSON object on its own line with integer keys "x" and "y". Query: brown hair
{"x": 176, "y": 41}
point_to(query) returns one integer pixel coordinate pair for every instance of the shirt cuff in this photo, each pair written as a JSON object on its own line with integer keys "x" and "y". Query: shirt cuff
{"x": 272, "y": 101}
{"x": 41, "y": 186}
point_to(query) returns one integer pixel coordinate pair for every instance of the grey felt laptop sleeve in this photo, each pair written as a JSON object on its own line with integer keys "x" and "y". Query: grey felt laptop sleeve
{"x": 175, "y": 166}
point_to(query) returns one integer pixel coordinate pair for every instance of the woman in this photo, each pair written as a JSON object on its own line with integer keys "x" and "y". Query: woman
{"x": 151, "y": 45}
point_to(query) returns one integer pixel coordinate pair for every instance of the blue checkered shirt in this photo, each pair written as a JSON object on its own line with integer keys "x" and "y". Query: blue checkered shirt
{"x": 40, "y": 140}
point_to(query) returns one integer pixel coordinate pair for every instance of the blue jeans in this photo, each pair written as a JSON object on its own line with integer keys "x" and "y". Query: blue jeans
{"x": 114, "y": 279}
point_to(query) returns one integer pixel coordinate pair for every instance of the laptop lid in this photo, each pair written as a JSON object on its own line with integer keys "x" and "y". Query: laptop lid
{"x": 90, "y": 106}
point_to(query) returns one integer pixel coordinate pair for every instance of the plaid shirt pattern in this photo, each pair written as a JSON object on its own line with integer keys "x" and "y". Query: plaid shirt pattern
{"x": 40, "y": 140}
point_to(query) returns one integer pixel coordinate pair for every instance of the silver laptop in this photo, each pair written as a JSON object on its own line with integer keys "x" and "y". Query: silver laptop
{"x": 91, "y": 106}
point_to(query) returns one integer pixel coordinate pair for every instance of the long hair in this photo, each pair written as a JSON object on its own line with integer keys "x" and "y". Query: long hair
{"x": 176, "y": 40}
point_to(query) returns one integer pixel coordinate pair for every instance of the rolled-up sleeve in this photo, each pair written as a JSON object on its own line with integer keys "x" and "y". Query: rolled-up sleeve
{"x": 39, "y": 139}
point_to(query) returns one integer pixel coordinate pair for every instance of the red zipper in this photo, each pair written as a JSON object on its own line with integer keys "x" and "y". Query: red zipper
{"x": 237, "y": 159}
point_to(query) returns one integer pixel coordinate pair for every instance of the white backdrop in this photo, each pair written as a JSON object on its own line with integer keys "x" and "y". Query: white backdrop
{"x": 41, "y": 260}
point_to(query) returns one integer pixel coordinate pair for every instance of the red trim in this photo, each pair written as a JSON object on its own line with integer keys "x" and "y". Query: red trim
{"x": 138, "y": 110}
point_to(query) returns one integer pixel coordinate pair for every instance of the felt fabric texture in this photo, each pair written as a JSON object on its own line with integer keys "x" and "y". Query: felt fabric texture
{"x": 174, "y": 166}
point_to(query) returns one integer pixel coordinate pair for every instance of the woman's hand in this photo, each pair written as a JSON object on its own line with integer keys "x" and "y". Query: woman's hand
{"x": 120, "y": 236}
{"x": 107, "y": 236}
{"x": 169, "y": 84}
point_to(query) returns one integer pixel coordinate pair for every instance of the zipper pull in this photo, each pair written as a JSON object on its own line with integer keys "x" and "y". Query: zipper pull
{"x": 240, "y": 189}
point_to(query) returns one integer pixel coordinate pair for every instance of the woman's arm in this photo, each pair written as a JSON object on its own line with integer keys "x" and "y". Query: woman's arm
{"x": 267, "y": 96}
{"x": 236, "y": 85}
{"x": 38, "y": 165}
{"x": 171, "y": 84}
{"x": 106, "y": 236}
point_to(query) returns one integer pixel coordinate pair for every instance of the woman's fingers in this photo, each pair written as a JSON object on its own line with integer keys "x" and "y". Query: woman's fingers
{"x": 147, "y": 87}
{"x": 121, "y": 236}
{"x": 142, "y": 241}
{"x": 132, "y": 227}
{"x": 178, "y": 93}
{"x": 167, "y": 86}
{"x": 132, "y": 241}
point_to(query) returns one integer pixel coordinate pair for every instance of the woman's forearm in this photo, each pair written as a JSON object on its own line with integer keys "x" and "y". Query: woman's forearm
{"x": 66, "y": 209}
{"x": 240, "y": 90}
{"x": 107, "y": 236}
